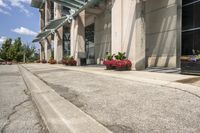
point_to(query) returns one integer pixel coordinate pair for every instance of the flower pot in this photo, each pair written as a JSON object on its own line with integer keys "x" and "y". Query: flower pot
{"x": 121, "y": 68}
{"x": 110, "y": 67}
{"x": 190, "y": 67}
{"x": 9, "y": 63}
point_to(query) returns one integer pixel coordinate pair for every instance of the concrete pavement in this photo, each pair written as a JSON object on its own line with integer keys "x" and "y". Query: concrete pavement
{"x": 17, "y": 112}
{"x": 127, "y": 102}
{"x": 59, "y": 115}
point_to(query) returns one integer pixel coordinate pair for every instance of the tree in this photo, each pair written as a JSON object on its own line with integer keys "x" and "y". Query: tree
{"x": 5, "y": 50}
{"x": 29, "y": 52}
{"x": 16, "y": 51}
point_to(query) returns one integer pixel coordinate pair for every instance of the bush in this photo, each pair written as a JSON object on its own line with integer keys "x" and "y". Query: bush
{"x": 69, "y": 61}
{"x": 52, "y": 61}
{"x": 43, "y": 61}
{"x": 37, "y": 61}
{"x": 120, "y": 63}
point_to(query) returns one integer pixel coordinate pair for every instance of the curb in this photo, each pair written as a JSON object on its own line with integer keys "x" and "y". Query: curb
{"x": 58, "y": 114}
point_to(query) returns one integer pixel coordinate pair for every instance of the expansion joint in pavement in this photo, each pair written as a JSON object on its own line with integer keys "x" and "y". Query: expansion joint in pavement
{"x": 167, "y": 85}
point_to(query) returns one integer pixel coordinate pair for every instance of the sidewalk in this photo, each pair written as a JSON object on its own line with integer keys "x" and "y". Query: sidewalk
{"x": 143, "y": 76}
{"x": 126, "y": 102}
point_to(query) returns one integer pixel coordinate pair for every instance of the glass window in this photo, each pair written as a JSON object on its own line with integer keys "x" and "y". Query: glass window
{"x": 189, "y": 1}
{"x": 190, "y": 26}
{"x": 65, "y": 11}
{"x": 191, "y": 17}
{"x": 66, "y": 41}
{"x": 89, "y": 44}
{"x": 52, "y": 10}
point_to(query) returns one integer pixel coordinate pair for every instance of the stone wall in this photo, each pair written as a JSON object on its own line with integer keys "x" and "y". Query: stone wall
{"x": 161, "y": 33}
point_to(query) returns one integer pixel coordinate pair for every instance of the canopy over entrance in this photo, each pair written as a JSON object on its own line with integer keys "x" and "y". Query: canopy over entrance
{"x": 75, "y": 6}
{"x": 57, "y": 23}
{"x": 37, "y": 3}
{"x": 42, "y": 35}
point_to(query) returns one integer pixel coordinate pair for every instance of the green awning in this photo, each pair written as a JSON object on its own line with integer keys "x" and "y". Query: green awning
{"x": 37, "y": 3}
{"x": 36, "y": 40}
{"x": 57, "y": 23}
{"x": 42, "y": 35}
{"x": 76, "y": 7}
{"x": 71, "y": 4}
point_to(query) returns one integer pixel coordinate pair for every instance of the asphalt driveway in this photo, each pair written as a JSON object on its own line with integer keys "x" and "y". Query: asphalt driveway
{"x": 125, "y": 106}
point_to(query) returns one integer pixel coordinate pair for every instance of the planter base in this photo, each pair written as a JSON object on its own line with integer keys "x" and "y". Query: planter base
{"x": 190, "y": 67}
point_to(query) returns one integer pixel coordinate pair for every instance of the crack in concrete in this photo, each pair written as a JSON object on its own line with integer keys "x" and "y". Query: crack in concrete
{"x": 41, "y": 124}
{"x": 8, "y": 122}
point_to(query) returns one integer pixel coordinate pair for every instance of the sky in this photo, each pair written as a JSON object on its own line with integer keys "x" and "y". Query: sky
{"x": 18, "y": 19}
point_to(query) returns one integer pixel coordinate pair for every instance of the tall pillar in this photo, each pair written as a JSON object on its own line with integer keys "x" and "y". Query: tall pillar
{"x": 78, "y": 37}
{"x": 42, "y": 54}
{"x": 47, "y": 11}
{"x": 48, "y": 48}
{"x": 42, "y": 18}
{"x": 58, "y": 36}
{"x": 128, "y": 30}
{"x": 47, "y": 41}
{"x": 116, "y": 26}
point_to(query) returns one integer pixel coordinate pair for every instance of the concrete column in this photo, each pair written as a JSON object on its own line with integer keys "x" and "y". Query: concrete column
{"x": 58, "y": 36}
{"x": 47, "y": 41}
{"x": 42, "y": 54}
{"x": 47, "y": 11}
{"x": 78, "y": 37}
{"x": 128, "y": 31}
{"x": 116, "y": 26}
{"x": 42, "y": 18}
{"x": 47, "y": 48}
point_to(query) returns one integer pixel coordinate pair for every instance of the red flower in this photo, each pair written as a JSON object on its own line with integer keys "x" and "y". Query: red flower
{"x": 109, "y": 63}
{"x": 121, "y": 64}
{"x": 129, "y": 63}
{"x": 125, "y": 64}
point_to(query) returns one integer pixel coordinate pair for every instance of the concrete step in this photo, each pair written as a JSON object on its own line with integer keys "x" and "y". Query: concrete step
{"x": 59, "y": 115}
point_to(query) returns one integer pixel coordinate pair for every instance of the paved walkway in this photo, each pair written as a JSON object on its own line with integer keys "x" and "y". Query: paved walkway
{"x": 17, "y": 112}
{"x": 127, "y": 102}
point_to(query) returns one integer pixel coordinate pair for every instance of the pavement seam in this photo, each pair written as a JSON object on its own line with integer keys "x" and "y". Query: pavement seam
{"x": 167, "y": 85}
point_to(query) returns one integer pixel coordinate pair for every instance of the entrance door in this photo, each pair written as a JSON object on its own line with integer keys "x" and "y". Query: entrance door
{"x": 89, "y": 45}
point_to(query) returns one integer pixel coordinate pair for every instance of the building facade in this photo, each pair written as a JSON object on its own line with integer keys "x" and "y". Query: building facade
{"x": 153, "y": 33}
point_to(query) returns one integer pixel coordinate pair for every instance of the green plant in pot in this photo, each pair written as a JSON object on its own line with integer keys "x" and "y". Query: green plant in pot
{"x": 109, "y": 62}
{"x": 120, "y": 56}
